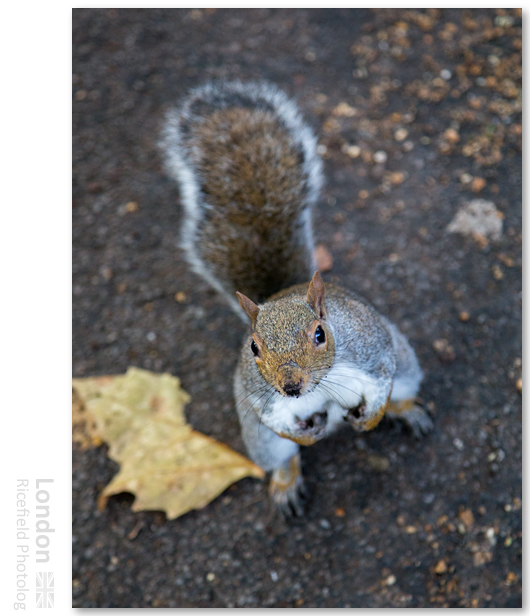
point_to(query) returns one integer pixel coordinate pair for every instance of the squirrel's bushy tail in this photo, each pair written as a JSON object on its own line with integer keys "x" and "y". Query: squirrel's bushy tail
{"x": 249, "y": 175}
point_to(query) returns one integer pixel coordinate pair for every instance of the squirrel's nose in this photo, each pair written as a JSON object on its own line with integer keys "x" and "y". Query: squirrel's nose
{"x": 293, "y": 389}
{"x": 291, "y": 378}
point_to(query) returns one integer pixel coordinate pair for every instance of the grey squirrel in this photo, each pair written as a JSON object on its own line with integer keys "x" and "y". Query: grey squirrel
{"x": 318, "y": 356}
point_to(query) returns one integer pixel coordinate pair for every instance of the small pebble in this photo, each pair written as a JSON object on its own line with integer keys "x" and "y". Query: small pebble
{"x": 504, "y": 21}
{"x": 452, "y": 135}
{"x": 344, "y": 110}
{"x": 467, "y": 517}
{"x": 508, "y": 261}
{"x": 107, "y": 273}
{"x": 458, "y": 444}
{"x": 378, "y": 463}
{"x": 478, "y": 184}
{"x": 353, "y": 151}
{"x": 397, "y": 178}
{"x": 401, "y": 134}
{"x": 444, "y": 349}
{"x": 441, "y": 567}
{"x": 494, "y": 60}
{"x": 497, "y": 272}
{"x": 482, "y": 558}
{"x": 380, "y": 157}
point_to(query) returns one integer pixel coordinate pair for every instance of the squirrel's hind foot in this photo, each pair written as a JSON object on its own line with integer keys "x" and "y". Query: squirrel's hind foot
{"x": 412, "y": 414}
{"x": 287, "y": 490}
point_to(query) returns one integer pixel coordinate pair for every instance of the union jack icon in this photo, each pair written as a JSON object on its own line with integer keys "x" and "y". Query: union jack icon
{"x": 44, "y": 587}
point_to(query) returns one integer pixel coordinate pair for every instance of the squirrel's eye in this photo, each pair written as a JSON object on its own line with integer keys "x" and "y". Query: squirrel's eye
{"x": 320, "y": 336}
{"x": 254, "y": 348}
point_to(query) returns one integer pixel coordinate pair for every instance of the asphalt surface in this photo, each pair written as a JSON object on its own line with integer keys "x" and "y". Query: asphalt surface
{"x": 392, "y": 521}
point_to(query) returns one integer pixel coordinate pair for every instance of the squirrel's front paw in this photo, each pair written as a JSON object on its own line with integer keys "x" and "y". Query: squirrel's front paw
{"x": 358, "y": 419}
{"x": 286, "y": 488}
{"x": 313, "y": 428}
{"x": 308, "y": 431}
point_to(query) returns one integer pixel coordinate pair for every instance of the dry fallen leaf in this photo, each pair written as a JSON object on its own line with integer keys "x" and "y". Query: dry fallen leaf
{"x": 479, "y": 219}
{"x": 84, "y": 429}
{"x": 164, "y": 462}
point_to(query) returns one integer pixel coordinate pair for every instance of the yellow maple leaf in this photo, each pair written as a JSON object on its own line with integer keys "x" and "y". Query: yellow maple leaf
{"x": 164, "y": 462}
{"x": 84, "y": 429}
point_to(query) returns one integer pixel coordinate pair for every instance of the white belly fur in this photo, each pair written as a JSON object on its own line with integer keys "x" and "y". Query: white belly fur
{"x": 342, "y": 388}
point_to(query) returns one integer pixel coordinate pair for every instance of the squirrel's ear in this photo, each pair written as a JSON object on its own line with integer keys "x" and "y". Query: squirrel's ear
{"x": 248, "y": 306}
{"x": 315, "y": 295}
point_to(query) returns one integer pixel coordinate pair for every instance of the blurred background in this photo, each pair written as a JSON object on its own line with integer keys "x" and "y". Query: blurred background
{"x": 418, "y": 115}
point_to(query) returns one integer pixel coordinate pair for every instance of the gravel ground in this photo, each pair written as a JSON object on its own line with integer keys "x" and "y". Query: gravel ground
{"x": 417, "y": 113}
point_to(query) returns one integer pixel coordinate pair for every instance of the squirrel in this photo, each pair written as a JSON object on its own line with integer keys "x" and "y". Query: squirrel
{"x": 318, "y": 356}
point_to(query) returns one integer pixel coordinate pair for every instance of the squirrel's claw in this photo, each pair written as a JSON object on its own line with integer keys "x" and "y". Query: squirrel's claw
{"x": 413, "y": 415}
{"x": 358, "y": 420}
{"x": 291, "y": 502}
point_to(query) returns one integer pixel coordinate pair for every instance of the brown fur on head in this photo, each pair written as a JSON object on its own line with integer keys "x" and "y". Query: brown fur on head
{"x": 292, "y": 344}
